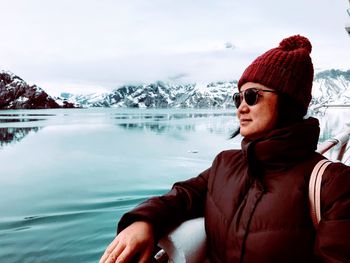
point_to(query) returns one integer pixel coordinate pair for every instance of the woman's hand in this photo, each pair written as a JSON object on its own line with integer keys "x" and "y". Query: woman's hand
{"x": 136, "y": 239}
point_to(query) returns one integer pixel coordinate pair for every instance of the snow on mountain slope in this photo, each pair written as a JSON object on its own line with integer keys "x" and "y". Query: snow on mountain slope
{"x": 331, "y": 87}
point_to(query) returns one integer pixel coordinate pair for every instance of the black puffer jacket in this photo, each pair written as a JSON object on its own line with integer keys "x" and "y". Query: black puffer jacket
{"x": 255, "y": 202}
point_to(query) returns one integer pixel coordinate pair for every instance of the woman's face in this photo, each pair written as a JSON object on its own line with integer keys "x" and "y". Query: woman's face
{"x": 260, "y": 118}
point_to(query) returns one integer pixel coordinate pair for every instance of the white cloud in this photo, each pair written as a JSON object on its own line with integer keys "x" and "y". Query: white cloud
{"x": 105, "y": 43}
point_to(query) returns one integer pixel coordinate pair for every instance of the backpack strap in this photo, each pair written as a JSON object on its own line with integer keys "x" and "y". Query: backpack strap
{"x": 315, "y": 190}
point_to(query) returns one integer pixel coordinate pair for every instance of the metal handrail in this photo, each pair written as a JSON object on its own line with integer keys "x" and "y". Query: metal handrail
{"x": 340, "y": 139}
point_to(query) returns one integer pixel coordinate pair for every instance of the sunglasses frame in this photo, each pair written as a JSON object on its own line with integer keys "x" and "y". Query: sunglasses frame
{"x": 243, "y": 94}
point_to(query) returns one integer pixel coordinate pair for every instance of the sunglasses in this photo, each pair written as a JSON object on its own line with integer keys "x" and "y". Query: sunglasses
{"x": 250, "y": 96}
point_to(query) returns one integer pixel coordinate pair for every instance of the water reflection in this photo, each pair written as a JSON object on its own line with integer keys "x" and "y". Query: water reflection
{"x": 167, "y": 116}
{"x": 15, "y": 125}
{"x": 19, "y": 120}
{"x": 167, "y": 123}
{"x": 159, "y": 128}
{"x": 25, "y": 115}
{"x": 21, "y": 124}
{"x": 11, "y": 135}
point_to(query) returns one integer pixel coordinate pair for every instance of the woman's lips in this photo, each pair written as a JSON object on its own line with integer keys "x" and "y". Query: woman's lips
{"x": 244, "y": 121}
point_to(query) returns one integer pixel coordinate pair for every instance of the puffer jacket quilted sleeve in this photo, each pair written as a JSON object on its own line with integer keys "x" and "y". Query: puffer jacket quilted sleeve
{"x": 184, "y": 201}
{"x": 333, "y": 233}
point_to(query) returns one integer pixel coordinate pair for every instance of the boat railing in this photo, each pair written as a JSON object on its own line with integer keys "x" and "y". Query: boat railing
{"x": 337, "y": 147}
{"x": 178, "y": 245}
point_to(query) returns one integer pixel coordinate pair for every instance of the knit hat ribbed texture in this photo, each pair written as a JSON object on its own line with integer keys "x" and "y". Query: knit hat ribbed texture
{"x": 287, "y": 68}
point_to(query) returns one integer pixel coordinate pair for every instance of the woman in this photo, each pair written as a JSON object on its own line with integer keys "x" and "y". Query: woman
{"x": 255, "y": 200}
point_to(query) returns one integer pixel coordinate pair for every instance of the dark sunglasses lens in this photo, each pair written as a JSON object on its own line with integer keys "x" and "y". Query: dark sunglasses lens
{"x": 237, "y": 99}
{"x": 250, "y": 96}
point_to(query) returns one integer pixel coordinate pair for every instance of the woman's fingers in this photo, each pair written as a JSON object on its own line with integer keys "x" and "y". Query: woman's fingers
{"x": 125, "y": 256}
{"x": 115, "y": 254}
{"x": 109, "y": 250}
{"x": 120, "y": 251}
{"x": 136, "y": 239}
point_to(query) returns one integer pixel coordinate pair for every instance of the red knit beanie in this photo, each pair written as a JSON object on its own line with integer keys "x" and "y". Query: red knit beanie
{"x": 287, "y": 69}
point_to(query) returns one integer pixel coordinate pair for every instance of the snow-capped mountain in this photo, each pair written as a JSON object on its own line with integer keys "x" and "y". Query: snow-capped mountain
{"x": 15, "y": 93}
{"x": 161, "y": 95}
{"x": 331, "y": 87}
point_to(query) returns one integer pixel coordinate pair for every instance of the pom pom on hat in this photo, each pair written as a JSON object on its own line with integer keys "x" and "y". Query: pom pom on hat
{"x": 295, "y": 42}
{"x": 287, "y": 69}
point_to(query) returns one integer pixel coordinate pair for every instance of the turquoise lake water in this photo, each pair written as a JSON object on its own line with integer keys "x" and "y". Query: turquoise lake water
{"x": 68, "y": 175}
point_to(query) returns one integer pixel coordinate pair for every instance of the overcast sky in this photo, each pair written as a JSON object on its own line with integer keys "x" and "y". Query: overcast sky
{"x": 86, "y": 45}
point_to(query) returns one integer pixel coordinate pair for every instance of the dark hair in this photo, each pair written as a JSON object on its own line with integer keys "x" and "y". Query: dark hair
{"x": 234, "y": 133}
{"x": 289, "y": 110}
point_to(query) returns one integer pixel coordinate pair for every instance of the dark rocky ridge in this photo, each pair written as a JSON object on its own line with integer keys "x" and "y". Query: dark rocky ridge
{"x": 15, "y": 93}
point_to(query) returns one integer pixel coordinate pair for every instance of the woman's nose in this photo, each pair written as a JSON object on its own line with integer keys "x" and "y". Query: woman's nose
{"x": 243, "y": 107}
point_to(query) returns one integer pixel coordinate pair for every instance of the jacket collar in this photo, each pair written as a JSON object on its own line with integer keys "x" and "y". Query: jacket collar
{"x": 282, "y": 147}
